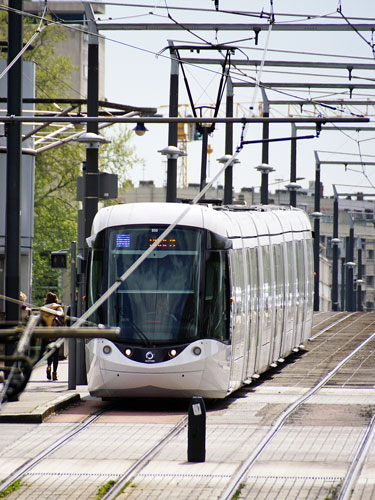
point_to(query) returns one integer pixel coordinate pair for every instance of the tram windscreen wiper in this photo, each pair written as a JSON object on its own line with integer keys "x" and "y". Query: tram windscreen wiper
{"x": 141, "y": 335}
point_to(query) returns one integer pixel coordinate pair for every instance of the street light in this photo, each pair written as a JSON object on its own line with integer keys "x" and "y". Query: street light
{"x": 293, "y": 186}
{"x": 140, "y": 129}
{"x": 92, "y": 140}
{"x": 172, "y": 153}
{"x": 223, "y": 160}
{"x": 265, "y": 170}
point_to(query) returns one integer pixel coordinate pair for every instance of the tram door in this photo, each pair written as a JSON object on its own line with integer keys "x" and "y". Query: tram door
{"x": 279, "y": 298}
{"x": 290, "y": 299}
{"x": 266, "y": 294}
{"x": 253, "y": 309}
{"x": 238, "y": 315}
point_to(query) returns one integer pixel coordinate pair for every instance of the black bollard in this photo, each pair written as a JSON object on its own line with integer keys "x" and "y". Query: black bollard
{"x": 197, "y": 430}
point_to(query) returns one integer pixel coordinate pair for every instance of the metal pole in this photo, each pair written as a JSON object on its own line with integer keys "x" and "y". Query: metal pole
{"x": 173, "y": 127}
{"x": 265, "y": 150}
{"x": 359, "y": 275}
{"x": 264, "y": 189}
{"x": 72, "y": 359}
{"x": 316, "y": 233}
{"x": 343, "y": 284}
{"x": 14, "y": 162}
{"x": 335, "y": 251}
{"x": 293, "y": 166}
{"x": 204, "y": 159}
{"x": 228, "y": 175}
{"x": 91, "y": 174}
{"x": 349, "y": 269}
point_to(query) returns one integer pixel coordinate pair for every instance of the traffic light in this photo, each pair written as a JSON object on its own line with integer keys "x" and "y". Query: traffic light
{"x": 58, "y": 260}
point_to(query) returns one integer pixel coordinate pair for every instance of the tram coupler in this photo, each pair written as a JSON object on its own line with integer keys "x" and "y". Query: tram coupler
{"x": 197, "y": 430}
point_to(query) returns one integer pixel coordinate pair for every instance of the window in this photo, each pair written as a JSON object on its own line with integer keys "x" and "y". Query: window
{"x": 216, "y": 307}
{"x": 370, "y": 281}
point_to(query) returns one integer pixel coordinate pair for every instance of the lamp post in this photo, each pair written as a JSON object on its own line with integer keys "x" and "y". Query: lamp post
{"x": 335, "y": 252}
{"x": 293, "y": 187}
{"x": 172, "y": 127}
{"x": 265, "y": 170}
{"x": 342, "y": 295}
{"x": 228, "y": 174}
{"x": 350, "y": 265}
{"x": 359, "y": 281}
{"x": 293, "y": 166}
{"x": 172, "y": 153}
{"x": 223, "y": 160}
{"x": 13, "y": 166}
{"x": 90, "y": 198}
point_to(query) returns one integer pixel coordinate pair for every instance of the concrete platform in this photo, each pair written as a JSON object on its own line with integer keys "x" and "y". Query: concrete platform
{"x": 42, "y": 397}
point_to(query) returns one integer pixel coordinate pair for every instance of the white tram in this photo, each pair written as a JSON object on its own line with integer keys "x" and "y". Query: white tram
{"x": 225, "y": 296}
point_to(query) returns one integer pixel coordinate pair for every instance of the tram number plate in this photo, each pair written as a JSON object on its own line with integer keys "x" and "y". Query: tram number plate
{"x": 197, "y": 410}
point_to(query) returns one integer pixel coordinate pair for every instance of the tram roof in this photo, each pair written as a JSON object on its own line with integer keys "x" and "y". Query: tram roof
{"x": 220, "y": 220}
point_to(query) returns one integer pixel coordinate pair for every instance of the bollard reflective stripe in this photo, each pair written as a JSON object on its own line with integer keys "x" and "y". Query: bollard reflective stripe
{"x": 197, "y": 430}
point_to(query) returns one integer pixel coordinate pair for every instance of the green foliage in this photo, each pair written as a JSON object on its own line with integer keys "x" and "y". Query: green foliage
{"x": 55, "y": 212}
{"x": 53, "y": 72}
{"x": 56, "y": 170}
{"x": 126, "y": 485}
{"x": 104, "y": 489}
{"x": 333, "y": 492}
{"x": 238, "y": 491}
{"x": 118, "y": 157}
{"x": 11, "y": 489}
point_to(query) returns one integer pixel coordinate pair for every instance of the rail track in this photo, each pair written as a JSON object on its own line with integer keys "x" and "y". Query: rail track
{"x": 332, "y": 337}
{"x": 346, "y": 486}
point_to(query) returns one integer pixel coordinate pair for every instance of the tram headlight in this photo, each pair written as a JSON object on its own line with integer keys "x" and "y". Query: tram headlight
{"x": 107, "y": 349}
{"x": 128, "y": 352}
{"x": 172, "y": 353}
{"x": 197, "y": 350}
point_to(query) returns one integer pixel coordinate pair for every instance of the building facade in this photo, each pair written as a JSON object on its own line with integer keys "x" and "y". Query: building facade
{"x": 351, "y": 209}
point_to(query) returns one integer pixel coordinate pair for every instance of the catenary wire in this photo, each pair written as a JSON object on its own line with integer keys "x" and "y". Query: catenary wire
{"x": 168, "y": 57}
{"x": 164, "y": 234}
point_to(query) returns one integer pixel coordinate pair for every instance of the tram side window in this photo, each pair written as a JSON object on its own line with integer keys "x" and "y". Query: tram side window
{"x": 215, "y": 322}
{"x": 300, "y": 270}
{"x": 279, "y": 273}
{"x": 95, "y": 283}
{"x": 267, "y": 277}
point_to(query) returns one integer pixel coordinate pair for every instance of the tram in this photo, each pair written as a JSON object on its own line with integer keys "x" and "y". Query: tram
{"x": 227, "y": 294}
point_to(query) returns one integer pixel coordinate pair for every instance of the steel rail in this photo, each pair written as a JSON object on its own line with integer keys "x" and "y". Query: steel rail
{"x": 331, "y": 325}
{"x": 131, "y": 472}
{"x": 134, "y": 469}
{"x": 246, "y": 465}
{"x": 353, "y": 472}
{"x": 25, "y": 468}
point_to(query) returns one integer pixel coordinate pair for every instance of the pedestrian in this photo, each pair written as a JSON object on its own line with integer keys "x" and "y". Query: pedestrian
{"x": 49, "y": 319}
{"x": 25, "y": 310}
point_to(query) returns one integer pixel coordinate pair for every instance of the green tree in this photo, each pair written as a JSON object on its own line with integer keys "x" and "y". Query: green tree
{"x": 119, "y": 156}
{"x": 55, "y": 212}
{"x": 55, "y": 207}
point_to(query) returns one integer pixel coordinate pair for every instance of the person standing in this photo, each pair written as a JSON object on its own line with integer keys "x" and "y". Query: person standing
{"x": 25, "y": 310}
{"x": 49, "y": 319}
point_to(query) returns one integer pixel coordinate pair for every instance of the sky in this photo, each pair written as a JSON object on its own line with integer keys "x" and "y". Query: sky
{"x": 135, "y": 74}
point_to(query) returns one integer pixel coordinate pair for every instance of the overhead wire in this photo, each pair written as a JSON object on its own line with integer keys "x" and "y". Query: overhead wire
{"x": 196, "y": 199}
{"x": 164, "y": 234}
{"x": 261, "y": 15}
{"x": 39, "y": 29}
{"x": 168, "y": 57}
{"x": 370, "y": 44}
